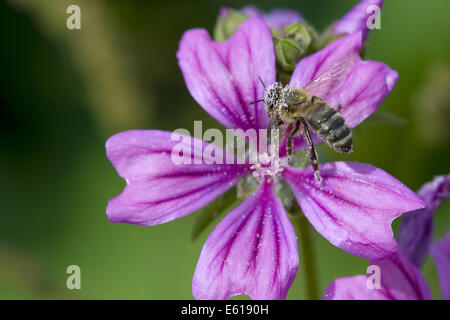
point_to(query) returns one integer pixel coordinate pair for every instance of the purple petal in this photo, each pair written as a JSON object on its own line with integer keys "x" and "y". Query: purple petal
{"x": 399, "y": 280}
{"x": 253, "y": 11}
{"x": 361, "y": 91}
{"x": 366, "y": 87}
{"x": 353, "y": 288}
{"x": 223, "y": 76}
{"x": 435, "y": 191}
{"x": 356, "y": 19}
{"x": 440, "y": 251}
{"x": 277, "y": 18}
{"x": 252, "y": 251}
{"x": 354, "y": 205}
{"x": 310, "y": 67}
{"x": 158, "y": 190}
{"x": 415, "y": 233}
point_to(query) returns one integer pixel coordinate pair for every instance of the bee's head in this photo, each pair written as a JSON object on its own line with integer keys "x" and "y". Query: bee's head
{"x": 272, "y": 97}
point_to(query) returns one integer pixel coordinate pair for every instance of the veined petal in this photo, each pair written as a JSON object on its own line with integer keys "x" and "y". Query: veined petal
{"x": 440, "y": 251}
{"x": 365, "y": 88}
{"x": 277, "y": 18}
{"x": 354, "y": 205}
{"x": 252, "y": 251}
{"x": 399, "y": 280}
{"x": 415, "y": 233}
{"x": 359, "y": 92}
{"x": 158, "y": 190}
{"x": 223, "y": 76}
{"x": 356, "y": 19}
{"x": 312, "y": 66}
{"x": 362, "y": 88}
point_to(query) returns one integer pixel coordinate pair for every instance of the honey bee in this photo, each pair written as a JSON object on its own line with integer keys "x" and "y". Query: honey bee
{"x": 298, "y": 108}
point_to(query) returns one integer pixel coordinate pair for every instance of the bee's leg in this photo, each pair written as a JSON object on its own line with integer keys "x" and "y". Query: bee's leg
{"x": 275, "y": 123}
{"x": 289, "y": 140}
{"x": 288, "y": 129}
{"x": 338, "y": 108}
{"x": 312, "y": 154}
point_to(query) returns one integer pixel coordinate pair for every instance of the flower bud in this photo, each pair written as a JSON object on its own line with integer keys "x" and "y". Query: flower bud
{"x": 227, "y": 23}
{"x": 293, "y": 43}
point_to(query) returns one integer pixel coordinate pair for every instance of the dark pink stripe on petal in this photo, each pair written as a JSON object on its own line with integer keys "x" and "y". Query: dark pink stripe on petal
{"x": 252, "y": 251}
{"x": 354, "y": 206}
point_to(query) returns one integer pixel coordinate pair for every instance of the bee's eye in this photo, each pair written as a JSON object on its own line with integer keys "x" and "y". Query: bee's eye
{"x": 271, "y": 97}
{"x": 269, "y": 105}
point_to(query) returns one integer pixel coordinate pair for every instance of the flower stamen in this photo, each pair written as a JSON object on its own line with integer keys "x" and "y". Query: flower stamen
{"x": 267, "y": 166}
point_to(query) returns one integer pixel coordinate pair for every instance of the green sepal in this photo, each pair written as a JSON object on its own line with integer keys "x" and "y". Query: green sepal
{"x": 246, "y": 186}
{"x": 293, "y": 43}
{"x": 208, "y": 214}
{"x": 226, "y": 26}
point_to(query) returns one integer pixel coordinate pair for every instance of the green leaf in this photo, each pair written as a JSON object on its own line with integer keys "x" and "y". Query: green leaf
{"x": 208, "y": 214}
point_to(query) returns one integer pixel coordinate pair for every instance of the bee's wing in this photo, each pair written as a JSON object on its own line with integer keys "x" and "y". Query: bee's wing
{"x": 331, "y": 79}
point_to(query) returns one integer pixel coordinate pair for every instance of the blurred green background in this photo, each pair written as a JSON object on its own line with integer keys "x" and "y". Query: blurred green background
{"x": 63, "y": 93}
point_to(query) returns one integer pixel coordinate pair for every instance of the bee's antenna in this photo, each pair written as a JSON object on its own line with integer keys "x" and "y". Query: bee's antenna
{"x": 262, "y": 82}
{"x": 260, "y": 100}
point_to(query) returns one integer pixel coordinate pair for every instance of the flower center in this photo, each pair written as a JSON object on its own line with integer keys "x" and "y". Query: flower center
{"x": 268, "y": 166}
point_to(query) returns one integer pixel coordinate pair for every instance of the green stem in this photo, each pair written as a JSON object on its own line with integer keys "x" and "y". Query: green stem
{"x": 309, "y": 258}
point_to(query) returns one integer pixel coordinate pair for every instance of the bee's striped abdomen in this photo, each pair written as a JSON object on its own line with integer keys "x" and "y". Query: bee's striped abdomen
{"x": 329, "y": 125}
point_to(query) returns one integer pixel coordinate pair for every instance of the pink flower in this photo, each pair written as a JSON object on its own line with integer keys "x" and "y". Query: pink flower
{"x": 253, "y": 250}
{"x": 400, "y": 277}
{"x": 367, "y": 83}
